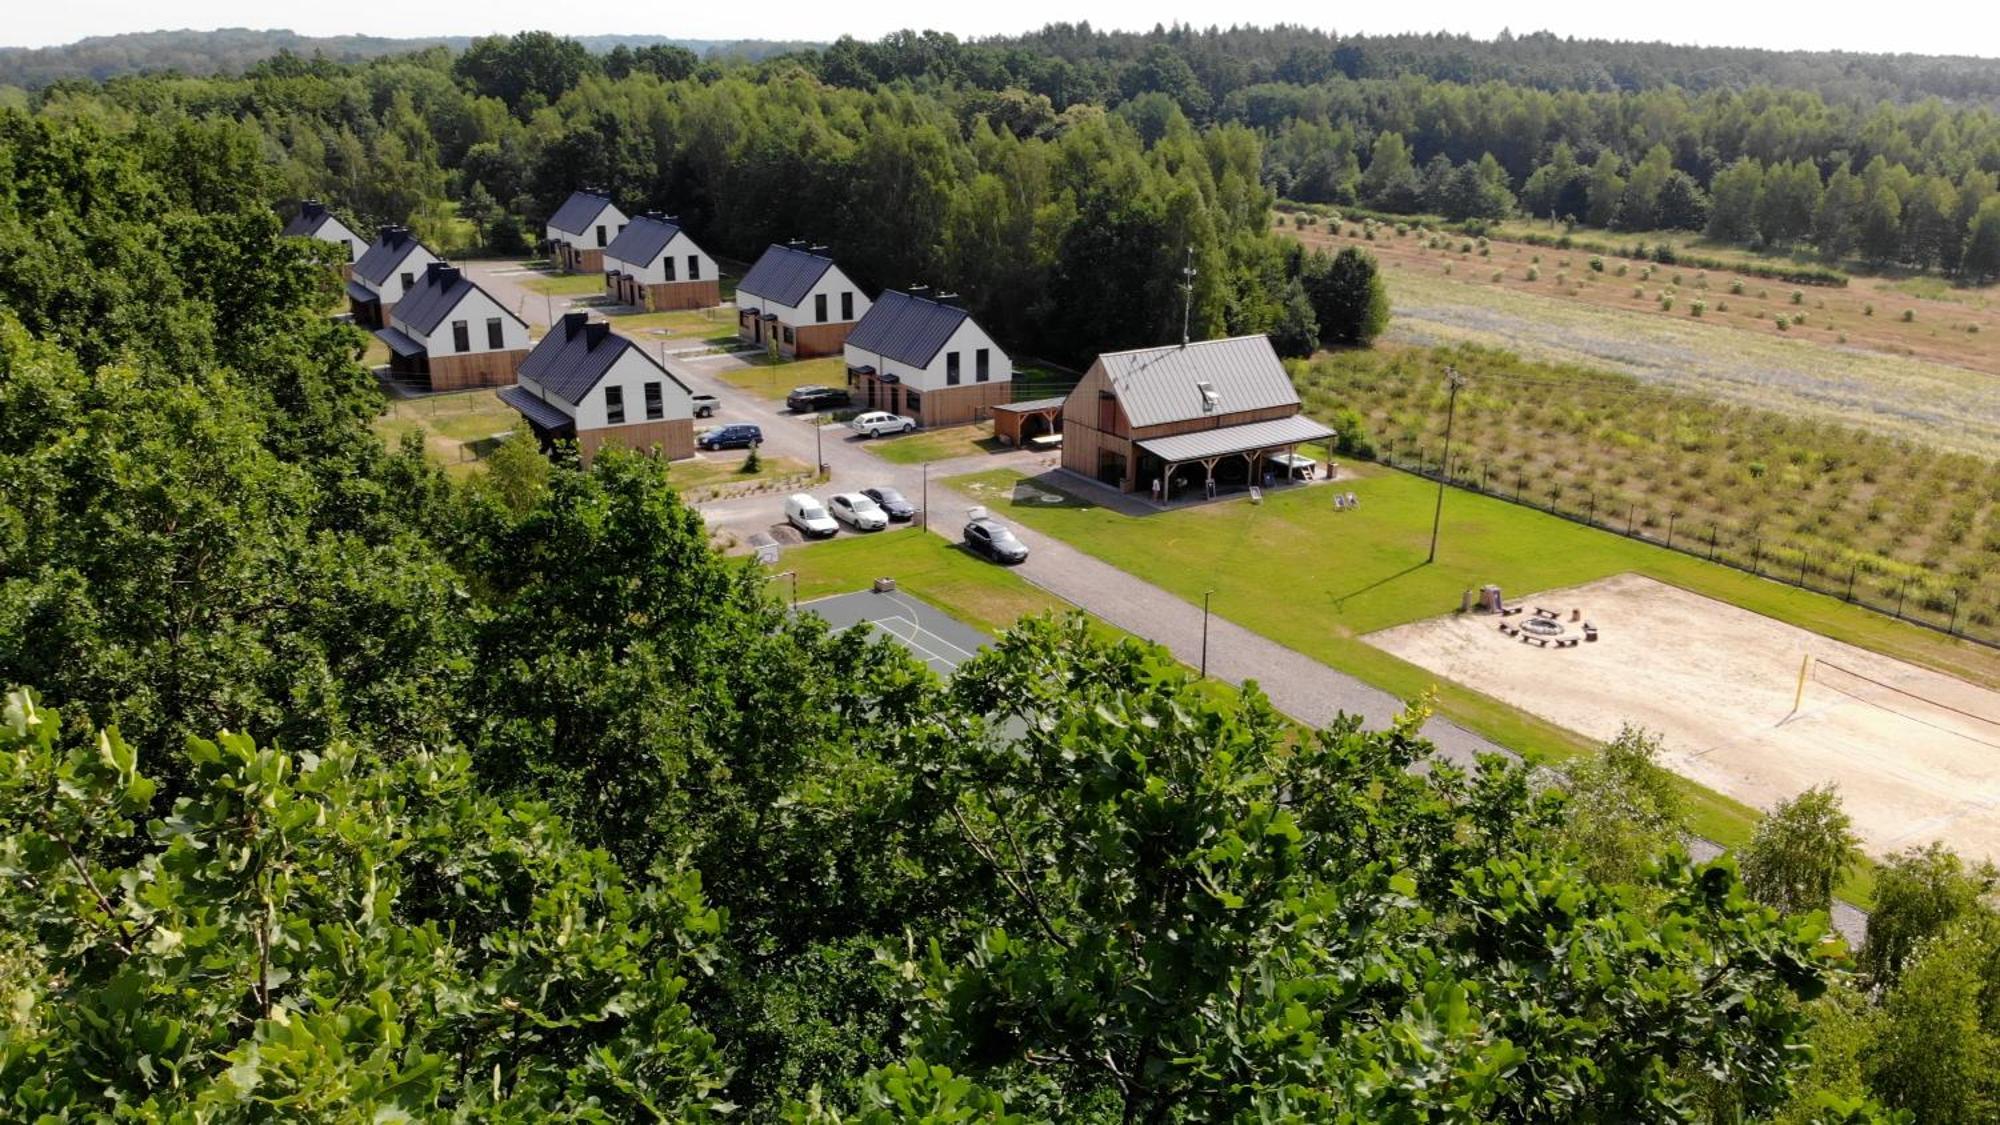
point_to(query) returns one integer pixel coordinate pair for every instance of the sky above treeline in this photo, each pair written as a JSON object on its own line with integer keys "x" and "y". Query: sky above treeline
{"x": 1954, "y": 27}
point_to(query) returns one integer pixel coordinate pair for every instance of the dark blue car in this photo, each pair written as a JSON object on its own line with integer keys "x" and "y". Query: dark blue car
{"x": 740, "y": 436}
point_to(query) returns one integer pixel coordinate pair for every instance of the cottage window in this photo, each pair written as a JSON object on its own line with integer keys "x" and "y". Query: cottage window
{"x": 788, "y": 333}
{"x": 913, "y": 401}
{"x": 694, "y": 267}
{"x": 614, "y": 405}
{"x": 819, "y": 307}
{"x": 951, "y": 369}
{"x": 656, "y": 407}
{"x": 409, "y": 280}
{"x": 847, "y": 305}
{"x": 982, "y": 365}
{"x": 600, "y": 234}
{"x": 668, "y": 263}
{"x": 496, "y": 338}
{"x": 461, "y": 337}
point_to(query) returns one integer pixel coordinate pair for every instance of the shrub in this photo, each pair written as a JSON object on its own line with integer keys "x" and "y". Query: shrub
{"x": 1697, "y": 308}
{"x": 1534, "y": 273}
{"x": 1783, "y": 324}
{"x": 1499, "y": 274}
{"x": 1736, "y": 287}
{"x": 1722, "y": 306}
{"x": 1622, "y": 267}
{"x": 1868, "y": 309}
{"x": 1638, "y": 291}
{"x": 1798, "y": 296}
{"x": 1667, "y": 301}
{"x": 1909, "y": 315}
{"x": 1596, "y": 264}
{"x": 752, "y": 463}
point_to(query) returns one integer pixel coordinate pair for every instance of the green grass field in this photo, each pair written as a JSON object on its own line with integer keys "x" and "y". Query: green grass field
{"x": 776, "y": 380}
{"x": 565, "y": 284}
{"x": 726, "y": 467}
{"x": 717, "y": 325}
{"x": 940, "y": 572}
{"x": 936, "y": 445}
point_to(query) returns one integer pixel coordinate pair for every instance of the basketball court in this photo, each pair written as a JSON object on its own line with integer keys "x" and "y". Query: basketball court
{"x": 1748, "y": 705}
{"x": 939, "y": 641}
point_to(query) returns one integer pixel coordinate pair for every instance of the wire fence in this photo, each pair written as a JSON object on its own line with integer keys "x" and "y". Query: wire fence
{"x": 1919, "y": 600}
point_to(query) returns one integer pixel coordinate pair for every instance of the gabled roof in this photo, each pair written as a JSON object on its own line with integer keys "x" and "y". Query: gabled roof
{"x": 577, "y": 212}
{"x": 906, "y": 327}
{"x": 1161, "y": 385}
{"x": 785, "y": 274}
{"x": 643, "y": 239}
{"x": 534, "y": 409}
{"x": 311, "y": 217}
{"x": 386, "y": 255}
{"x": 576, "y": 353}
{"x": 435, "y": 295}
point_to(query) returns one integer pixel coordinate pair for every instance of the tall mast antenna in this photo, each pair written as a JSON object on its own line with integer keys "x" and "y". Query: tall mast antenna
{"x": 1187, "y": 295}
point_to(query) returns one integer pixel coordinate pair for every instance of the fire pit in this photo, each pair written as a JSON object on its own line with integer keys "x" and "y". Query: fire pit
{"x": 1542, "y": 627}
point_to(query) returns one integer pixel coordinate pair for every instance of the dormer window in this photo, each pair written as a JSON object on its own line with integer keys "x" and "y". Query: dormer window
{"x": 1209, "y": 399}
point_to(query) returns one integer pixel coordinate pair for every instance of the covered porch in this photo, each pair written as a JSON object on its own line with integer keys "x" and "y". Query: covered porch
{"x": 1206, "y": 463}
{"x": 407, "y": 357}
{"x": 550, "y": 424}
{"x": 1017, "y": 423}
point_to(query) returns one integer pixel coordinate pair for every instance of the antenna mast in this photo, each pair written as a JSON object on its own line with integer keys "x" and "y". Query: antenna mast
{"x": 1187, "y": 295}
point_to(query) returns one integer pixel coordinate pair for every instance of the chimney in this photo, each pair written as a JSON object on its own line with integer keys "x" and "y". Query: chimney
{"x": 312, "y": 209}
{"x": 949, "y": 300}
{"x": 918, "y": 290}
{"x": 573, "y": 322}
{"x": 796, "y": 244}
{"x": 819, "y": 249}
{"x": 594, "y": 334}
{"x": 386, "y": 233}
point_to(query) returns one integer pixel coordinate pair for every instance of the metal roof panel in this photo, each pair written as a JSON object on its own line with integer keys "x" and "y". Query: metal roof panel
{"x": 1224, "y": 440}
{"x": 1161, "y": 385}
{"x": 906, "y": 328}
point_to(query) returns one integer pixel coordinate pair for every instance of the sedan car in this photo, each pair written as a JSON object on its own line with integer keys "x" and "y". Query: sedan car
{"x": 730, "y": 437}
{"x": 892, "y": 502}
{"x": 996, "y": 541}
{"x": 812, "y": 396}
{"x": 875, "y": 423}
{"x": 857, "y": 511}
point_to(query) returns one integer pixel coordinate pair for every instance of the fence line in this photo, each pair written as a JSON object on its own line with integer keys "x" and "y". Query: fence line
{"x": 1780, "y": 562}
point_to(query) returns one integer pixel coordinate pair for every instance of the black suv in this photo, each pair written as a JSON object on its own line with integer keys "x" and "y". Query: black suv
{"x": 815, "y": 397}
{"x": 993, "y": 539}
{"x": 730, "y": 437}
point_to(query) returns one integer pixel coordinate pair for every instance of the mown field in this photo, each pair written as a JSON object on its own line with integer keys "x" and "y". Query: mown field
{"x": 1889, "y": 521}
{"x": 1842, "y": 354}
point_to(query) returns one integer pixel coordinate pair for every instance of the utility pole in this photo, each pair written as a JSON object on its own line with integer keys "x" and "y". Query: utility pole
{"x": 1205, "y": 595}
{"x": 1454, "y": 381}
{"x": 1187, "y": 295}
{"x": 924, "y": 513}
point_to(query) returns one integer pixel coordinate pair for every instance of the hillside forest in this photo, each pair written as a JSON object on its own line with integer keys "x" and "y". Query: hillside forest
{"x": 334, "y": 788}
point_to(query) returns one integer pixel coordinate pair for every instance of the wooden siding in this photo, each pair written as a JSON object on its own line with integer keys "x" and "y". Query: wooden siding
{"x": 810, "y": 340}
{"x": 1088, "y": 434}
{"x": 674, "y": 438}
{"x": 475, "y": 369}
{"x": 671, "y": 295}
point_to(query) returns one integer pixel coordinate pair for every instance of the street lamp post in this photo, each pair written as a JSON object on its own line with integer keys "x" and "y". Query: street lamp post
{"x": 819, "y": 451}
{"x": 1205, "y": 595}
{"x": 1444, "y": 468}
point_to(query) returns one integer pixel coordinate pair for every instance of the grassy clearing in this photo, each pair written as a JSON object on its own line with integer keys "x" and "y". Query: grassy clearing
{"x": 1316, "y": 580}
{"x": 942, "y": 573}
{"x": 564, "y": 284}
{"x": 776, "y": 380}
{"x": 705, "y": 324}
{"x": 706, "y": 470}
{"x": 1842, "y": 354}
{"x": 458, "y": 429}
{"x": 937, "y": 445}
{"x": 1903, "y": 524}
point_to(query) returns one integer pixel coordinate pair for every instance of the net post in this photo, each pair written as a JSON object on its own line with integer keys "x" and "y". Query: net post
{"x": 1805, "y": 667}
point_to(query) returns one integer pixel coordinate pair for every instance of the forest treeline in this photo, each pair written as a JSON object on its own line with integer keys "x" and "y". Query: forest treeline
{"x": 332, "y": 788}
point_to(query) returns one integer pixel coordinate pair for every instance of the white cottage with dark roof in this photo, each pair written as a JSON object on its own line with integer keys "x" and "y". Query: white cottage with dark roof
{"x": 588, "y": 384}
{"x": 385, "y": 271}
{"x": 924, "y": 356}
{"x": 1184, "y": 415}
{"x": 315, "y": 221}
{"x": 580, "y": 230}
{"x": 797, "y": 303}
{"x": 453, "y": 334}
{"x": 655, "y": 265}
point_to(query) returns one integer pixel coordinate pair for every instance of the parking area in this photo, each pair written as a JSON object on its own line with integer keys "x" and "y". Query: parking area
{"x": 937, "y": 640}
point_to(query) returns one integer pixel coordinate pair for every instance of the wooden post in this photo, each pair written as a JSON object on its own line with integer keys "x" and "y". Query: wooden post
{"x": 1805, "y": 668}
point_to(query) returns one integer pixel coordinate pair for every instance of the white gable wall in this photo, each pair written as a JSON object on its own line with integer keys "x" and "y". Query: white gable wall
{"x": 655, "y": 271}
{"x": 609, "y": 217}
{"x": 631, "y": 374}
{"x": 966, "y": 341}
{"x": 334, "y": 231}
{"x": 476, "y": 307}
{"x": 528, "y": 383}
{"x": 832, "y": 283}
{"x": 391, "y": 289}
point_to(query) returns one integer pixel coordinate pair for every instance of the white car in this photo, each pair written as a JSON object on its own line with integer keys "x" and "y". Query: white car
{"x": 858, "y": 511}
{"x": 809, "y": 515}
{"x": 875, "y": 423}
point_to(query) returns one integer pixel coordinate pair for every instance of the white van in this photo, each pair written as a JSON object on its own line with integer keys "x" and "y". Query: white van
{"x": 809, "y": 516}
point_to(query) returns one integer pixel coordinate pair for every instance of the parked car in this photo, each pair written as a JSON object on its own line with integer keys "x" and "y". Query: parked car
{"x": 806, "y": 513}
{"x": 995, "y": 540}
{"x": 875, "y": 423}
{"x": 858, "y": 512}
{"x": 738, "y": 436}
{"x": 892, "y": 502}
{"x": 705, "y": 406}
{"x": 812, "y": 396}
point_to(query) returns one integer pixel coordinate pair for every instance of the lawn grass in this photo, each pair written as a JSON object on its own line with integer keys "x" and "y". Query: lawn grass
{"x": 706, "y": 470}
{"x": 564, "y": 284}
{"x": 453, "y": 426}
{"x": 964, "y": 586}
{"x": 936, "y": 445}
{"x": 776, "y": 380}
{"x": 1316, "y": 580}
{"x": 705, "y": 324}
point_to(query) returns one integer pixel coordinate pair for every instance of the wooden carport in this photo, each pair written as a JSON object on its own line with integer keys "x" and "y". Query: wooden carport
{"x": 1010, "y": 419}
